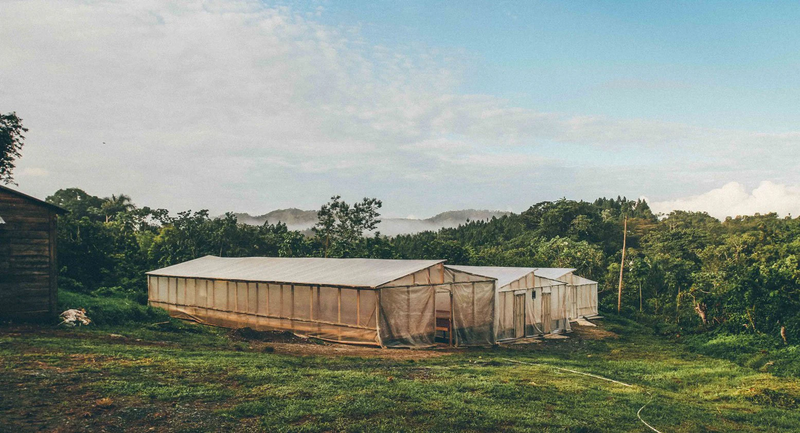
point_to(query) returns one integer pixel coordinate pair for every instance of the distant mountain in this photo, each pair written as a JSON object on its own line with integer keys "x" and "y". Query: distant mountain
{"x": 298, "y": 219}
{"x": 295, "y": 219}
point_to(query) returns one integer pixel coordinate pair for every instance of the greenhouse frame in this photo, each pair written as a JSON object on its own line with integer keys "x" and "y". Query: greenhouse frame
{"x": 387, "y": 303}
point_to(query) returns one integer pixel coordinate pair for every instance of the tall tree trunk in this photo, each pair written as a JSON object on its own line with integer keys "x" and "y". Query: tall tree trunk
{"x": 622, "y": 263}
{"x": 640, "y": 297}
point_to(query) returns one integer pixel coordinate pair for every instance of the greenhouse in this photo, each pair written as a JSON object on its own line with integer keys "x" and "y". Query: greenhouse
{"x": 528, "y": 305}
{"x": 388, "y": 303}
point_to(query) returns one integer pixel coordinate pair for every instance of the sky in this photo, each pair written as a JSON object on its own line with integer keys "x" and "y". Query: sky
{"x": 251, "y": 106}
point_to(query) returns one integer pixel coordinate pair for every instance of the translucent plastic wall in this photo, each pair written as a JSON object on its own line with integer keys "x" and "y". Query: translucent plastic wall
{"x": 550, "y": 302}
{"x": 545, "y": 308}
{"x": 409, "y": 308}
{"x": 332, "y": 313}
{"x": 582, "y": 295}
{"x": 587, "y": 299}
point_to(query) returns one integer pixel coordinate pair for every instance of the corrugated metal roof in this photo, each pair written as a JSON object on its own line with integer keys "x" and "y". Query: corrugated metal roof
{"x": 553, "y": 273}
{"x": 334, "y": 272}
{"x": 504, "y": 275}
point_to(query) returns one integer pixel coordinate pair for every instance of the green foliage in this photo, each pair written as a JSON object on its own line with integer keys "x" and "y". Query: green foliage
{"x": 685, "y": 273}
{"x": 340, "y": 226}
{"x": 110, "y": 311}
{"x": 757, "y": 351}
{"x": 11, "y": 142}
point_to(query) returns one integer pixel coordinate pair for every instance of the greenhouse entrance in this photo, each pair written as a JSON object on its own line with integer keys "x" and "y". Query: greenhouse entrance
{"x": 519, "y": 315}
{"x": 444, "y": 317}
{"x": 546, "y": 322}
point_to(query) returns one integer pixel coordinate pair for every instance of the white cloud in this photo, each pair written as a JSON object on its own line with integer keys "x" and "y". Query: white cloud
{"x": 732, "y": 199}
{"x": 34, "y": 171}
{"x": 237, "y": 105}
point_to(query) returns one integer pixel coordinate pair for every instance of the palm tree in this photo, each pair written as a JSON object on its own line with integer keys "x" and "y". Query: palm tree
{"x": 116, "y": 204}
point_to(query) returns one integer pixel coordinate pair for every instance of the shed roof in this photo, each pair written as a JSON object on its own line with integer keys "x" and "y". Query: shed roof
{"x": 57, "y": 209}
{"x": 553, "y": 273}
{"x": 319, "y": 271}
{"x": 504, "y": 275}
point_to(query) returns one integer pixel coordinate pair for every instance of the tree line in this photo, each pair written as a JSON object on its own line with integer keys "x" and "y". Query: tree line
{"x": 683, "y": 272}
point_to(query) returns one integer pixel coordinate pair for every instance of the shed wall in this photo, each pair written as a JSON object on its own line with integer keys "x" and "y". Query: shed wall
{"x": 28, "y": 270}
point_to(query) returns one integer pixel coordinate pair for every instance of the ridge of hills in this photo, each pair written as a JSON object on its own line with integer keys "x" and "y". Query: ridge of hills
{"x": 298, "y": 219}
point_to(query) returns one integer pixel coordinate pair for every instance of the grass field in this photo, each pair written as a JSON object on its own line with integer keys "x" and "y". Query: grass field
{"x": 191, "y": 378}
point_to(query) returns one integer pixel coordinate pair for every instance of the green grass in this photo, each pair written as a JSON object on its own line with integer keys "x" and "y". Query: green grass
{"x": 110, "y": 311}
{"x": 756, "y": 351}
{"x": 176, "y": 380}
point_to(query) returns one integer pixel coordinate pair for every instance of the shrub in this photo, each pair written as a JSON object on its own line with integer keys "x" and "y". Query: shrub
{"x": 110, "y": 310}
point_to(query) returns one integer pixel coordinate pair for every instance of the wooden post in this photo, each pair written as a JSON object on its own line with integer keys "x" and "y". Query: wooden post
{"x": 622, "y": 263}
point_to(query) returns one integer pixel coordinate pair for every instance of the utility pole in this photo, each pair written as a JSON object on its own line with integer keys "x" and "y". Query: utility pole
{"x": 622, "y": 263}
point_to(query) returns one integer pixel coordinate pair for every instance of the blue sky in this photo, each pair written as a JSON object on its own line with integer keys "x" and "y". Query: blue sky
{"x": 247, "y": 105}
{"x": 714, "y": 64}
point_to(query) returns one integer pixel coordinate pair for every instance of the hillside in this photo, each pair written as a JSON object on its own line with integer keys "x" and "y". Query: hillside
{"x": 298, "y": 219}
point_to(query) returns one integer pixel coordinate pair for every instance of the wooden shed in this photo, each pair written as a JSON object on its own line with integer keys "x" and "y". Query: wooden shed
{"x": 28, "y": 269}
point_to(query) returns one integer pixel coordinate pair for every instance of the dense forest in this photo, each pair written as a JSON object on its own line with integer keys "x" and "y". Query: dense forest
{"x": 685, "y": 272}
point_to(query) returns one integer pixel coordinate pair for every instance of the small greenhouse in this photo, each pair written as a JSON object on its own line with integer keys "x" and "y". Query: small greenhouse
{"x": 388, "y": 303}
{"x": 582, "y": 292}
{"x": 527, "y": 304}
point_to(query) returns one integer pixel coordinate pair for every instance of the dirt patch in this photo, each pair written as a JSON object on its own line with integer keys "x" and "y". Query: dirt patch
{"x": 250, "y": 334}
{"x": 590, "y": 332}
{"x": 335, "y": 350}
{"x": 285, "y": 342}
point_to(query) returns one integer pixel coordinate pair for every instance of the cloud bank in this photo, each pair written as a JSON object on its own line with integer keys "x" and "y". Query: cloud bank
{"x": 733, "y": 200}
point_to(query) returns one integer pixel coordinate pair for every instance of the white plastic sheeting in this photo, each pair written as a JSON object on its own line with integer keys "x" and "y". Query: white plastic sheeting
{"x": 368, "y": 301}
{"x": 310, "y": 270}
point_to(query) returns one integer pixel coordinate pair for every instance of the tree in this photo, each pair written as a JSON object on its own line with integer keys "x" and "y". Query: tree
{"x": 11, "y": 142}
{"x": 340, "y": 226}
{"x": 78, "y": 202}
{"x": 115, "y": 205}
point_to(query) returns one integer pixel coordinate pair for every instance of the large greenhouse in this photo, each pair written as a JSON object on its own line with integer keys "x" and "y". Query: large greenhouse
{"x": 388, "y": 303}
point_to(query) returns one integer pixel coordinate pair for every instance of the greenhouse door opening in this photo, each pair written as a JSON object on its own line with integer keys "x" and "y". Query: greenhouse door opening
{"x": 519, "y": 315}
{"x": 444, "y": 317}
{"x": 546, "y": 325}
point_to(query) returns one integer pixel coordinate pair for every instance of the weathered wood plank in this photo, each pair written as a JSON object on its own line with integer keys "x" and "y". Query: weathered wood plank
{"x": 26, "y": 226}
{"x": 29, "y": 250}
{"x": 23, "y": 211}
{"x": 13, "y": 280}
{"x": 24, "y": 295}
{"x": 13, "y": 235}
{"x": 28, "y": 304}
